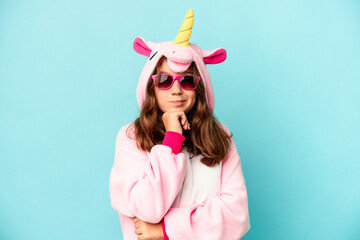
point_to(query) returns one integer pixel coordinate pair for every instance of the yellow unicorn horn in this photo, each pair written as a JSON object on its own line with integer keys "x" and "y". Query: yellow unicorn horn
{"x": 182, "y": 38}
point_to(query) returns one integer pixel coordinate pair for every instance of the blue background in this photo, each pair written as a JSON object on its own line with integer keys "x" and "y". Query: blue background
{"x": 288, "y": 91}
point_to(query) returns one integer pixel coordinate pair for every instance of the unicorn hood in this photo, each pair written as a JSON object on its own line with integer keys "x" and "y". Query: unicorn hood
{"x": 180, "y": 54}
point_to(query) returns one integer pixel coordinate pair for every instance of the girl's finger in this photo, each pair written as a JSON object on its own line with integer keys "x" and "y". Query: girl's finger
{"x": 137, "y": 225}
{"x": 186, "y": 120}
{"x": 137, "y": 231}
{"x": 183, "y": 119}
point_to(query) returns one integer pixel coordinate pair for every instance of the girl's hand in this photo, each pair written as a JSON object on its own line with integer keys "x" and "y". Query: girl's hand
{"x": 175, "y": 121}
{"x": 148, "y": 231}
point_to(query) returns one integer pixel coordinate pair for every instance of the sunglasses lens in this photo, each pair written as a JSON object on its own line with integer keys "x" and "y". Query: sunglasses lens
{"x": 187, "y": 82}
{"x": 164, "y": 81}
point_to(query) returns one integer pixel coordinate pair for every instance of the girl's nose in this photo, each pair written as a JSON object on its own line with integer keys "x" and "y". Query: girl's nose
{"x": 176, "y": 88}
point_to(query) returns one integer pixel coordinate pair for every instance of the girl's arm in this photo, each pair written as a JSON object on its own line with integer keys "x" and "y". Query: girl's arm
{"x": 145, "y": 184}
{"x": 224, "y": 216}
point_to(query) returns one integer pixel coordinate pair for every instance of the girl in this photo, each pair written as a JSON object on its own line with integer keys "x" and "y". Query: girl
{"x": 176, "y": 172}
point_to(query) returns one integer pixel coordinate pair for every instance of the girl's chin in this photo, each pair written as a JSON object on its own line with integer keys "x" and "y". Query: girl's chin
{"x": 175, "y": 109}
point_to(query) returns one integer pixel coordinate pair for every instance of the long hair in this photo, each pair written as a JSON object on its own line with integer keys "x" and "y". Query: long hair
{"x": 205, "y": 137}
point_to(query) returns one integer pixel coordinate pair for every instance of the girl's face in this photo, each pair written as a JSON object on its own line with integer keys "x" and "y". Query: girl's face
{"x": 174, "y": 99}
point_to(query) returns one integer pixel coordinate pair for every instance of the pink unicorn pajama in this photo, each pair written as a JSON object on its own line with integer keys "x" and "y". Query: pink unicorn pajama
{"x": 192, "y": 200}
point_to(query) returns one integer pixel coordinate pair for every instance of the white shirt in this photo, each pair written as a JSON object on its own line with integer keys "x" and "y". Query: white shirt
{"x": 201, "y": 182}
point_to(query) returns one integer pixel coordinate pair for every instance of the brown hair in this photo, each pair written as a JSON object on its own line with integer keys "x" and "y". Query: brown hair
{"x": 205, "y": 137}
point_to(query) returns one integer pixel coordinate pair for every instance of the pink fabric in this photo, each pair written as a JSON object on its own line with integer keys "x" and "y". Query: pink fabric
{"x": 174, "y": 140}
{"x": 222, "y": 217}
{"x": 164, "y": 232}
{"x": 214, "y": 57}
{"x": 140, "y": 47}
{"x": 145, "y": 184}
{"x": 178, "y": 67}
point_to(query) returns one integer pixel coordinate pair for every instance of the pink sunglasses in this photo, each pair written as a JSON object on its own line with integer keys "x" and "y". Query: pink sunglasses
{"x": 165, "y": 81}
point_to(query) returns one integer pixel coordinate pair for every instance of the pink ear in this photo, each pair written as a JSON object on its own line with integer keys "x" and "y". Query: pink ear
{"x": 141, "y": 47}
{"x": 215, "y": 56}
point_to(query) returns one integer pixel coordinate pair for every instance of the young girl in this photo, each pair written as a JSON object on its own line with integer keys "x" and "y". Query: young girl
{"x": 177, "y": 173}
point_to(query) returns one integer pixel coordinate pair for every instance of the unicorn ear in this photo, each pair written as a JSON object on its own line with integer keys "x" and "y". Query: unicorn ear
{"x": 143, "y": 47}
{"x": 213, "y": 57}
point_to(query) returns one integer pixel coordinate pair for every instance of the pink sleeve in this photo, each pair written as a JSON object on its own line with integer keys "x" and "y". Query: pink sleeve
{"x": 164, "y": 232}
{"x": 225, "y": 216}
{"x": 174, "y": 141}
{"x": 145, "y": 184}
